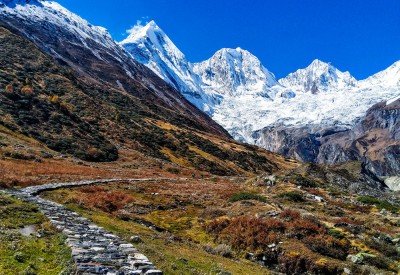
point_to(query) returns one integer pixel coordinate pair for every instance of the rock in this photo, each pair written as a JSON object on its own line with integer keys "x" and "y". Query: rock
{"x": 136, "y": 239}
{"x": 270, "y": 180}
{"x": 359, "y": 258}
{"x": 396, "y": 241}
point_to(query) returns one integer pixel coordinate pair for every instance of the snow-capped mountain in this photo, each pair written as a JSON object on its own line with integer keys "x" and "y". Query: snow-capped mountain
{"x": 152, "y": 47}
{"x": 318, "y": 77}
{"x": 229, "y": 73}
{"x": 49, "y": 12}
{"x": 246, "y": 97}
{"x": 235, "y": 72}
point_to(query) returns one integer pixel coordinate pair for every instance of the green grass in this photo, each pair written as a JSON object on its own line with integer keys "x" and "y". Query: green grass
{"x": 20, "y": 254}
{"x": 380, "y": 204}
{"x": 247, "y": 196}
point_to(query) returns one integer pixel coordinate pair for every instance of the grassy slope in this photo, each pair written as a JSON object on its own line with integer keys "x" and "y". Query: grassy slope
{"x": 20, "y": 254}
{"x": 185, "y": 208}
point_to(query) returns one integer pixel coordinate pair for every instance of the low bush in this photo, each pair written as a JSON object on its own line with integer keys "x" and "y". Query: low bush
{"x": 246, "y": 196}
{"x": 289, "y": 215}
{"x": 294, "y": 262}
{"x": 293, "y": 196}
{"x": 303, "y": 181}
{"x": 173, "y": 170}
{"x": 304, "y": 227}
{"x": 380, "y": 204}
{"x": 381, "y": 263}
{"x": 107, "y": 201}
{"x": 336, "y": 233}
{"x": 247, "y": 232}
{"x": 328, "y": 246}
{"x": 385, "y": 248}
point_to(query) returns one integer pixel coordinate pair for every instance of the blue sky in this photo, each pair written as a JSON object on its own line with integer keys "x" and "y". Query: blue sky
{"x": 361, "y": 36}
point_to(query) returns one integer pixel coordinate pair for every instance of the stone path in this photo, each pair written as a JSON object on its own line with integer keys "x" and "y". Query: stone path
{"x": 94, "y": 250}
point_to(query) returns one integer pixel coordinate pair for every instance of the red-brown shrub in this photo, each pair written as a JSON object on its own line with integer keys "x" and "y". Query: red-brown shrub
{"x": 301, "y": 263}
{"x": 216, "y": 226}
{"x": 303, "y": 227}
{"x": 290, "y": 215}
{"x": 346, "y": 220}
{"x": 92, "y": 189}
{"x": 247, "y": 232}
{"x": 108, "y": 201}
{"x": 328, "y": 246}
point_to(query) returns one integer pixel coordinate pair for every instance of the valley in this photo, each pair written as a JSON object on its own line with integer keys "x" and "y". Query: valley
{"x": 123, "y": 158}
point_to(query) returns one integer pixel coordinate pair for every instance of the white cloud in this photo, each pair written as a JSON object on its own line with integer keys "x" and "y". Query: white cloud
{"x": 139, "y": 24}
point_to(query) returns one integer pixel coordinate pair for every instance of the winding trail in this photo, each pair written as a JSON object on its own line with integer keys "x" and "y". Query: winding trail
{"x": 94, "y": 250}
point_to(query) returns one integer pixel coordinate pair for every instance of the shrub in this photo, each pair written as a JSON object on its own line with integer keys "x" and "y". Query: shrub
{"x": 294, "y": 262}
{"x": 293, "y": 196}
{"x": 216, "y": 226}
{"x": 380, "y": 262}
{"x": 304, "y": 227}
{"x": 246, "y": 196}
{"x": 247, "y": 232}
{"x": 380, "y": 204}
{"x": 173, "y": 170}
{"x": 347, "y": 221}
{"x": 290, "y": 215}
{"x": 107, "y": 201}
{"x": 328, "y": 246}
{"x": 336, "y": 233}
{"x": 303, "y": 181}
{"x": 386, "y": 249}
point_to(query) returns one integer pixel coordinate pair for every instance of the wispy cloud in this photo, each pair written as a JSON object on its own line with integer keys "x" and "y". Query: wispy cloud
{"x": 139, "y": 24}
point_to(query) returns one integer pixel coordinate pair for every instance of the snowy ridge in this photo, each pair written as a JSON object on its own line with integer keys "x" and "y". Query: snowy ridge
{"x": 246, "y": 97}
{"x": 389, "y": 77}
{"x": 318, "y": 77}
{"x": 150, "y": 46}
{"x": 49, "y": 11}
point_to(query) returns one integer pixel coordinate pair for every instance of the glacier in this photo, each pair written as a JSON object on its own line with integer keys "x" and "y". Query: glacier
{"x": 239, "y": 93}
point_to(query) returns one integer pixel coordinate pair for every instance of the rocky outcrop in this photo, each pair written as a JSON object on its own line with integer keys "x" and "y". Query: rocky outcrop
{"x": 94, "y": 250}
{"x": 375, "y": 141}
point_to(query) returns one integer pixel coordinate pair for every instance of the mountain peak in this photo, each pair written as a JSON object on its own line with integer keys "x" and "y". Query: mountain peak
{"x": 319, "y": 63}
{"x": 152, "y": 27}
{"x": 318, "y": 76}
{"x": 390, "y": 77}
{"x": 143, "y": 31}
{"x": 234, "y": 52}
{"x": 235, "y": 71}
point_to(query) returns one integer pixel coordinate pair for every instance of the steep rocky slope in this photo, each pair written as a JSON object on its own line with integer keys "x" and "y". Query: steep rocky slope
{"x": 68, "y": 85}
